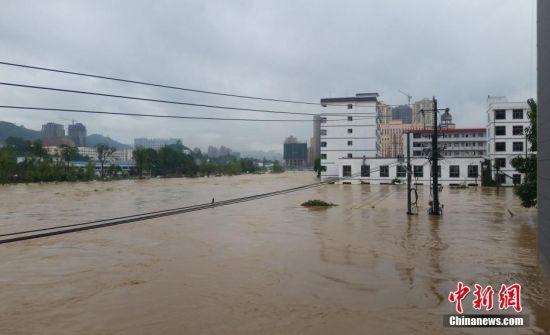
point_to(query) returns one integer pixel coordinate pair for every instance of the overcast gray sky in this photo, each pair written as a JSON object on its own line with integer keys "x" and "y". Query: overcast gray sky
{"x": 458, "y": 50}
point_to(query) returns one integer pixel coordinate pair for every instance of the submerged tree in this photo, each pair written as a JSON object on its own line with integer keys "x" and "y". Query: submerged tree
{"x": 527, "y": 165}
{"x": 103, "y": 153}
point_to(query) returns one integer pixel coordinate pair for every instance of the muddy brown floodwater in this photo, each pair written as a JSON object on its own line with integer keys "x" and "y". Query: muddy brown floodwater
{"x": 268, "y": 266}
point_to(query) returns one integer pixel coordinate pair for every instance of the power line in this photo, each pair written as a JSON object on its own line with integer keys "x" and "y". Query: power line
{"x": 72, "y": 228}
{"x": 157, "y": 85}
{"x": 153, "y": 115}
{"x": 152, "y": 100}
{"x": 190, "y": 117}
{"x": 130, "y": 81}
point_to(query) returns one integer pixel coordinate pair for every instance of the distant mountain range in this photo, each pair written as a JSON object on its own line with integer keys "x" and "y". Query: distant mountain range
{"x": 96, "y": 139}
{"x": 8, "y": 129}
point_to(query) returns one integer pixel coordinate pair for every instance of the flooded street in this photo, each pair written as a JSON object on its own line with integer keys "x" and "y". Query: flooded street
{"x": 267, "y": 266}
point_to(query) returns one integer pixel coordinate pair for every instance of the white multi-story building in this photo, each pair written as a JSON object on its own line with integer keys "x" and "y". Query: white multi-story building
{"x": 506, "y": 122}
{"x": 452, "y": 171}
{"x": 456, "y": 142}
{"x": 123, "y": 155}
{"x": 349, "y": 130}
{"x": 154, "y": 143}
{"x": 88, "y": 151}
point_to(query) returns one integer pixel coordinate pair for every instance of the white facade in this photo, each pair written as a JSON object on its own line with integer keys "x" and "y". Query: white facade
{"x": 123, "y": 155}
{"x": 88, "y": 151}
{"x": 453, "y": 171}
{"x": 457, "y": 142}
{"x": 506, "y": 122}
{"x": 154, "y": 143}
{"x": 349, "y": 128}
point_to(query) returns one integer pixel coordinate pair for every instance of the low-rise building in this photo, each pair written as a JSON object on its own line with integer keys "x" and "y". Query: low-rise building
{"x": 89, "y": 152}
{"x": 154, "y": 143}
{"x": 457, "y": 142}
{"x": 452, "y": 171}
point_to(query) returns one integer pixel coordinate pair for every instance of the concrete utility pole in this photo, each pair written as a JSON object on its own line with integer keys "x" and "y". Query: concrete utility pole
{"x": 409, "y": 177}
{"x": 435, "y": 210}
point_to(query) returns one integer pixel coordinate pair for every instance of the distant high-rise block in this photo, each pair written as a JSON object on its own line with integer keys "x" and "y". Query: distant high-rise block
{"x": 77, "y": 133}
{"x": 52, "y": 130}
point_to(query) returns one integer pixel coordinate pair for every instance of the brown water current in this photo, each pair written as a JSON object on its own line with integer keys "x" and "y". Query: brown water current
{"x": 267, "y": 266}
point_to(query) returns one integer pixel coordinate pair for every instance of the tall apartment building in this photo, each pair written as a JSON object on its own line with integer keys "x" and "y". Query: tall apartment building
{"x": 385, "y": 112}
{"x": 349, "y": 131}
{"x": 52, "y": 130}
{"x": 77, "y": 133}
{"x": 422, "y": 113}
{"x": 543, "y": 120}
{"x": 506, "y": 139}
{"x": 403, "y": 113}
{"x": 391, "y": 140}
{"x": 458, "y": 142}
{"x": 154, "y": 143}
{"x": 295, "y": 153}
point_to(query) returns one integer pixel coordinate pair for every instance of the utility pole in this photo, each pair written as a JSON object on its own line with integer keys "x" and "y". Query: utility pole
{"x": 435, "y": 210}
{"x": 409, "y": 172}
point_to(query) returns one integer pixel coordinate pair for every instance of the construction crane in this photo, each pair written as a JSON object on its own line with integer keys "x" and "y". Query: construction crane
{"x": 408, "y": 95}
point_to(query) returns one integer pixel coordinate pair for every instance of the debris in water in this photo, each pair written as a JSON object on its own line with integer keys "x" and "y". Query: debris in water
{"x": 317, "y": 203}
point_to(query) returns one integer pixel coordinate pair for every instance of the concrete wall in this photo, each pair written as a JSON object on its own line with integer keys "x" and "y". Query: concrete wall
{"x": 543, "y": 133}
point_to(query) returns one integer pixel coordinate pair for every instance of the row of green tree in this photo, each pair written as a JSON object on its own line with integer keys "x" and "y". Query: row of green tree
{"x": 28, "y": 161}
{"x": 171, "y": 160}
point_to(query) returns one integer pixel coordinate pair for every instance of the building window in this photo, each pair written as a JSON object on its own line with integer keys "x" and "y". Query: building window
{"x": 323, "y": 120}
{"x": 350, "y": 143}
{"x": 365, "y": 170}
{"x": 384, "y": 171}
{"x": 350, "y": 155}
{"x": 323, "y": 144}
{"x": 517, "y": 130}
{"x": 501, "y": 178}
{"x": 350, "y": 118}
{"x": 473, "y": 171}
{"x": 401, "y": 171}
{"x": 500, "y": 162}
{"x": 500, "y": 146}
{"x": 517, "y": 146}
{"x": 500, "y": 114}
{"x": 350, "y": 130}
{"x": 350, "y": 106}
{"x": 323, "y": 131}
{"x": 346, "y": 170}
{"x": 323, "y": 156}
{"x": 517, "y": 114}
{"x": 516, "y": 179}
{"x": 418, "y": 171}
{"x": 454, "y": 171}
{"x": 500, "y": 130}
{"x": 417, "y": 153}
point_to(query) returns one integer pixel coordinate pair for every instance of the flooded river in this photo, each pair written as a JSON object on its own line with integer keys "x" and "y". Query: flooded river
{"x": 268, "y": 266}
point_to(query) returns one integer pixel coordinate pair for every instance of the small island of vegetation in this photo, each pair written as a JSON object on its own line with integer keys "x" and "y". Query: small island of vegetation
{"x": 317, "y": 203}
